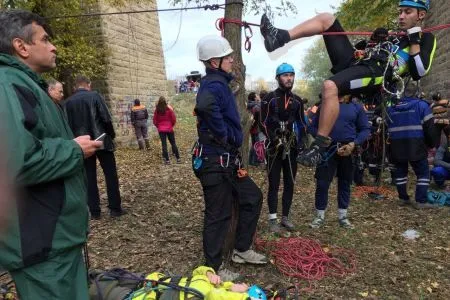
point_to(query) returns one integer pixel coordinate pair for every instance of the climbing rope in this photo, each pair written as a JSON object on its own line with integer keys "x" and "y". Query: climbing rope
{"x": 306, "y": 259}
{"x": 220, "y": 25}
{"x": 359, "y": 192}
{"x": 260, "y": 150}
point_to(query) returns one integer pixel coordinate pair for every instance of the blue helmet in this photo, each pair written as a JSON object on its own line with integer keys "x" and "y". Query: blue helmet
{"x": 256, "y": 293}
{"x": 420, "y": 4}
{"x": 285, "y": 68}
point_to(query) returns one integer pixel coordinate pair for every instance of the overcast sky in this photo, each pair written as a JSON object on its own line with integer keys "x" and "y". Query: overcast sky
{"x": 190, "y": 26}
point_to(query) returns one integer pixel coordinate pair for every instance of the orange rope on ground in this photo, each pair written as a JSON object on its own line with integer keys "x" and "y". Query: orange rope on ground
{"x": 363, "y": 191}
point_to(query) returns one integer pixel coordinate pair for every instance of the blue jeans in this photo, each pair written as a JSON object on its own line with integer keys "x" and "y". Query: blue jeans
{"x": 171, "y": 136}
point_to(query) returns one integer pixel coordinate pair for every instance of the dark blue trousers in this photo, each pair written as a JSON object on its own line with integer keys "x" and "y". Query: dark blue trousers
{"x": 422, "y": 172}
{"x": 325, "y": 172}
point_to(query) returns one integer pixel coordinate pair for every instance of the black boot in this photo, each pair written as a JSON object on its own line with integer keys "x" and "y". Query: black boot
{"x": 274, "y": 38}
{"x": 147, "y": 144}
{"x": 141, "y": 144}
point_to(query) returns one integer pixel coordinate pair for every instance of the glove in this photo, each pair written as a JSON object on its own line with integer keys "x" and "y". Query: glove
{"x": 414, "y": 35}
{"x": 379, "y": 35}
{"x": 436, "y": 96}
{"x": 313, "y": 156}
{"x": 361, "y": 45}
{"x": 346, "y": 150}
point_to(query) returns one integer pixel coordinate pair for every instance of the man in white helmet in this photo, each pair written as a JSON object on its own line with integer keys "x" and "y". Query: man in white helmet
{"x": 216, "y": 162}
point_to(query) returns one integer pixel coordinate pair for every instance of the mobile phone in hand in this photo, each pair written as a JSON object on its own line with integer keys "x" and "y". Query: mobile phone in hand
{"x": 101, "y": 137}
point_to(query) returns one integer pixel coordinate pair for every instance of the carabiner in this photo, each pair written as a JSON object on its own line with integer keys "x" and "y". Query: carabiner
{"x": 227, "y": 155}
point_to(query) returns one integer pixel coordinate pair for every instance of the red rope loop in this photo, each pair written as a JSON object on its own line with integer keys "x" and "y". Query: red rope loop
{"x": 220, "y": 25}
{"x": 306, "y": 259}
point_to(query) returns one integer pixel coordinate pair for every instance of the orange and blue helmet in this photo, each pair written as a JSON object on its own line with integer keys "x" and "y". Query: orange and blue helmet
{"x": 419, "y": 4}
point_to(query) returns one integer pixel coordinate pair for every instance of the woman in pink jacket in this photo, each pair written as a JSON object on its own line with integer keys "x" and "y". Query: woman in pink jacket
{"x": 164, "y": 119}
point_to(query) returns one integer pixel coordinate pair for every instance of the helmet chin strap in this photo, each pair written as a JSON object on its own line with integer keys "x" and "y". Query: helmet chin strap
{"x": 220, "y": 65}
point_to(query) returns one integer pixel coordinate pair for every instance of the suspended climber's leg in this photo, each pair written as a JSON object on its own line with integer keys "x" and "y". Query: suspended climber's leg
{"x": 330, "y": 108}
{"x": 275, "y": 38}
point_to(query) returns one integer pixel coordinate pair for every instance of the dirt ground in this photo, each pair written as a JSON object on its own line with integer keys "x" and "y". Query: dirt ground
{"x": 162, "y": 231}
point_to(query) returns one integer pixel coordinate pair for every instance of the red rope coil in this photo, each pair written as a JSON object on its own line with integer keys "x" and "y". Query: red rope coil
{"x": 307, "y": 259}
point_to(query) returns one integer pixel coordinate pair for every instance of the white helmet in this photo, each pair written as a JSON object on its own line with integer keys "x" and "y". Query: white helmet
{"x": 212, "y": 46}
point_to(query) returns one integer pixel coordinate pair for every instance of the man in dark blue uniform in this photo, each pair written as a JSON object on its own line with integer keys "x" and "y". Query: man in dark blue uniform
{"x": 216, "y": 162}
{"x": 350, "y": 130}
{"x": 412, "y": 130}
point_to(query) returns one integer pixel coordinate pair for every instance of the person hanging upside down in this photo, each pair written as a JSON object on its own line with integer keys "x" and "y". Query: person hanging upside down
{"x": 351, "y": 75}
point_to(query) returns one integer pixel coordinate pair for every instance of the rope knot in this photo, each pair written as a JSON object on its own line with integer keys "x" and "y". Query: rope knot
{"x": 212, "y": 7}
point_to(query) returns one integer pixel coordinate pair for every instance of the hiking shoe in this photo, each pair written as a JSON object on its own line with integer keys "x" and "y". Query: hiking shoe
{"x": 287, "y": 224}
{"x": 403, "y": 202}
{"x": 424, "y": 205}
{"x": 227, "y": 275}
{"x": 270, "y": 33}
{"x": 248, "y": 256}
{"x": 345, "y": 223}
{"x": 274, "y": 227}
{"x": 167, "y": 162}
{"x": 96, "y": 216}
{"x": 317, "y": 222}
{"x": 178, "y": 160}
{"x": 117, "y": 213}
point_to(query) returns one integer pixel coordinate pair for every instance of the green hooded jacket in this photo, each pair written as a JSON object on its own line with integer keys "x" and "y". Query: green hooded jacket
{"x": 49, "y": 214}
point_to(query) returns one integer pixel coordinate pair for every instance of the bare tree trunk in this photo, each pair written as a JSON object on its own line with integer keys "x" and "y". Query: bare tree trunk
{"x": 233, "y": 32}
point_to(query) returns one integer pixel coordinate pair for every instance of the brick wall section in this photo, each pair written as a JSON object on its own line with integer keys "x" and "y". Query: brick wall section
{"x": 439, "y": 77}
{"x": 136, "y": 64}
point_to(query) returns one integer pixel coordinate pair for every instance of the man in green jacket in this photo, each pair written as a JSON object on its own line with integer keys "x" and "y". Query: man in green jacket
{"x": 46, "y": 229}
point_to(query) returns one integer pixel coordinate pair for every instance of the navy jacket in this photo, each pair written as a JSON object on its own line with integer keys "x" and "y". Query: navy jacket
{"x": 351, "y": 125}
{"x": 411, "y": 130}
{"x": 217, "y": 113}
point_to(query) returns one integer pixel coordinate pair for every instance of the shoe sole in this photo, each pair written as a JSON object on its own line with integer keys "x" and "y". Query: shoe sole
{"x": 419, "y": 207}
{"x": 347, "y": 227}
{"x": 288, "y": 228}
{"x": 240, "y": 260}
{"x": 316, "y": 226}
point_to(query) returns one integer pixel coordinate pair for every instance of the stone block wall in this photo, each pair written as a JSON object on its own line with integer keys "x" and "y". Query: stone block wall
{"x": 135, "y": 64}
{"x": 439, "y": 77}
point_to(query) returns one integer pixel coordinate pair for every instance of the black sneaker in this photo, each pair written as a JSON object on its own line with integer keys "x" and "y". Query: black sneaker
{"x": 117, "y": 213}
{"x": 270, "y": 33}
{"x": 96, "y": 216}
{"x": 424, "y": 205}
